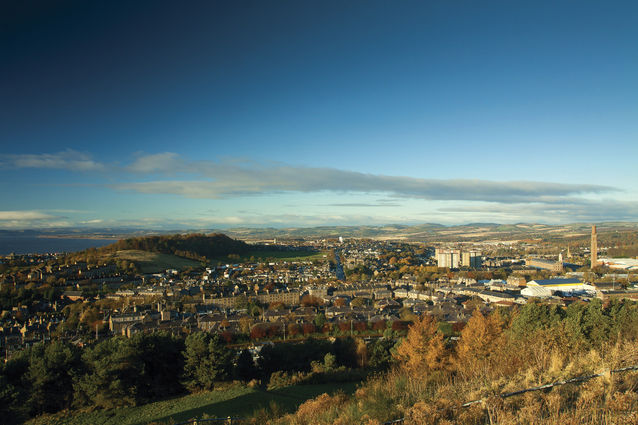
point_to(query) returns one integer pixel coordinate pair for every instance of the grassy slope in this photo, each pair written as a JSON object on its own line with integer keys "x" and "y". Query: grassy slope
{"x": 284, "y": 255}
{"x": 152, "y": 262}
{"x": 232, "y": 400}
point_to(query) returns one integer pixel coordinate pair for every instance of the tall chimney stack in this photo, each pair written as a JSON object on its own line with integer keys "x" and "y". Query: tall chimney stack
{"x": 594, "y": 247}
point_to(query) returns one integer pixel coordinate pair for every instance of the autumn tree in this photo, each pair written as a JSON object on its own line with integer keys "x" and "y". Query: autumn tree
{"x": 340, "y": 302}
{"x": 279, "y": 306}
{"x": 311, "y": 301}
{"x": 360, "y": 326}
{"x": 293, "y": 329}
{"x": 244, "y": 324}
{"x": 258, "y": 332}
{"x": 405, "y": 313}
{"x": 362, "y": 353}
{"x": 423, "y": 349}
{"x": 308, "y": 328}
{"x": 479, "y": 344}
{"x": 379, "y": 325}
{"x": 360, "y": 302}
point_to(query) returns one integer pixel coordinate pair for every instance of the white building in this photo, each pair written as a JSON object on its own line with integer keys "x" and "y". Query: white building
{"x": 448, "y": 258}
{"x": 569, "y": 286}
{"x": 536, "y": 291}
{"x": 620, "y": 263}
{"x": 455, "y": 258}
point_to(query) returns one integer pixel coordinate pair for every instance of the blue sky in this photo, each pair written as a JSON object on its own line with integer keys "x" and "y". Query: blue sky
{"x": 223, "y": 114}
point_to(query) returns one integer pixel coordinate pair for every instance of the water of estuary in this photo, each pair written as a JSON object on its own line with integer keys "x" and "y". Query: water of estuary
{"x": 42, "y": 245}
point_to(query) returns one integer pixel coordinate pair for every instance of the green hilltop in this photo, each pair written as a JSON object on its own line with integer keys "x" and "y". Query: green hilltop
{"x": 192, "y": 246}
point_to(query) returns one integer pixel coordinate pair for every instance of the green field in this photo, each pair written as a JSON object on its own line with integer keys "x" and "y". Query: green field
{"x": 274, "y": 255}
{"x": 232, "y": 400}
{"x": 153, "y": 262}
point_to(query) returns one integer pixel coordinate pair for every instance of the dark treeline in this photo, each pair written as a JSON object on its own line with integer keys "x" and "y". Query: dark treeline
{"x": 119, "y": 371}
{"x": 194, "y": 246}
{"x": 11, "y": 297}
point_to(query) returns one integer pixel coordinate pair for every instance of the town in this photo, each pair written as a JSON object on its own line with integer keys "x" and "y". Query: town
{"x": 305, "y": 287}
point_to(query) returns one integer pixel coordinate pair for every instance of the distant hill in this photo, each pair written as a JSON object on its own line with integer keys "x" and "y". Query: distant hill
{"x": 194, "y": 246}
{"x": 427, "y": 232}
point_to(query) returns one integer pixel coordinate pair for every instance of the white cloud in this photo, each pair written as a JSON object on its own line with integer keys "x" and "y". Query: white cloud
{"x": 65, "y": 160}
{"x": 569, "y": 211}
{"x": 94, "y": 221}
{"x": 448, "y": 200}
{"x": 166, "y": 163}
{"x": 227, "y": 180}
{"x": 31, "y": 219}
{"x": 25, "y": 215}
{"x": 283, "y": 220}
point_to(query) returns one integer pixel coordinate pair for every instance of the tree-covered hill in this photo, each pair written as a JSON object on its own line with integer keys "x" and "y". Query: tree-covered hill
{"x": 195, "y": 246}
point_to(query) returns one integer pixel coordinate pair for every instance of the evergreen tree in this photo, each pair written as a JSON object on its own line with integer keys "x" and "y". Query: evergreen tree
{"x": 206, "y": 360}
{"x": 379, "y": 353}
{"x": 110, "y": 376}
{"x": 245, "y": 367}
{"x": 51, "y": 371}
{"x": 14, "y": 388}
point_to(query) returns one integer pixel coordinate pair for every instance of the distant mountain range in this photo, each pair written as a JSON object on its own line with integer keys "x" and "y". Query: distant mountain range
{"x": 428, "y": 232}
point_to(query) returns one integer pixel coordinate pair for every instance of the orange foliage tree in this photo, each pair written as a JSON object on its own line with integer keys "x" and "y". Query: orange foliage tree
{"x": 310, "y": 301}
{"x": 480, "y": 344}
{"x": 423, "y": 349}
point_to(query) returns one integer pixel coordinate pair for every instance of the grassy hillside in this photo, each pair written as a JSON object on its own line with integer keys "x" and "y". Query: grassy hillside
{"x": 152, "y": 262}
{"x": 230, "y": 400}
{"x": 264, "y": 255}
